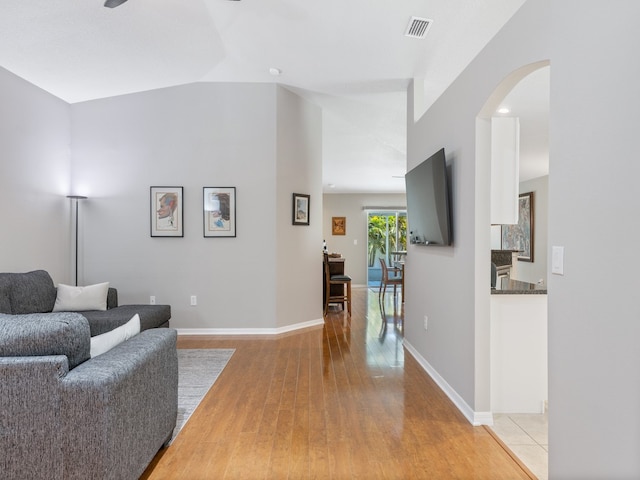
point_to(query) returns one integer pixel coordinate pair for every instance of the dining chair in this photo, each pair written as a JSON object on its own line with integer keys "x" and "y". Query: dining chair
{"x": 343, "y": 281}
{"x": 389, "y": 277}
{"x": 393, "y": 269}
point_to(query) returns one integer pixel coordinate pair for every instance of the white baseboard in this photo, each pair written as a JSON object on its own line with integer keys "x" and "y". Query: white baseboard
{"x": 250, "y": 331}
{"x": 475, "y": 418}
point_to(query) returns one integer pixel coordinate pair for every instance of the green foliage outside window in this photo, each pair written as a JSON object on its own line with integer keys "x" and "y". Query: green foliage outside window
{"x": 378, "y": 232}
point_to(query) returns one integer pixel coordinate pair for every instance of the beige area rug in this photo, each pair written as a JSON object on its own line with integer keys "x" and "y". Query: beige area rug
{"x": 198, "y": 370}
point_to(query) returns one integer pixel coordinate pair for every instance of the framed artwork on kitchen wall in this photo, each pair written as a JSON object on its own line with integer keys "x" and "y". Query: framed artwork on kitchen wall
{"x": 520, "y": 237}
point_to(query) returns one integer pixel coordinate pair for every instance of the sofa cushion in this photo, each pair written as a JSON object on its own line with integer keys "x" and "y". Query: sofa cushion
{"x": 151, "y": 316}
{"x": 78, "y": 299}
{"x": 32, "y": 292}
{"x": 39, "y": 334}
{"x": 106, "y": 341}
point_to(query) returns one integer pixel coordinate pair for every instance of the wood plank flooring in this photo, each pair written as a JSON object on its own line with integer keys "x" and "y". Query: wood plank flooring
{"x": 341, "y": 401}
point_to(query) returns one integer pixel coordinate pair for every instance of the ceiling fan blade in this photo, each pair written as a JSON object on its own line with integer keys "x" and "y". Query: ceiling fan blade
{"x": 113, "y": 3}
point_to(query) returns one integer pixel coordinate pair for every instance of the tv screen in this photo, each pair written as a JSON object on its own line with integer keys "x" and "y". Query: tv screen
{"x": 428, "y": 202}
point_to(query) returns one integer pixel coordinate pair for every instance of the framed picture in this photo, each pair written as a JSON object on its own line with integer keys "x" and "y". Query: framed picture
{"x": 166, "y": 212}
{"x": 520, "y": 237}
{"x": 338, "y": 225}
{"x": 219, "y": 211}
{"x": 301, "y": 209}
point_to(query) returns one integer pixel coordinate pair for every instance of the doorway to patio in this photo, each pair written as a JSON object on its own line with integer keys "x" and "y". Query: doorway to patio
{"x": 387, "y": 234}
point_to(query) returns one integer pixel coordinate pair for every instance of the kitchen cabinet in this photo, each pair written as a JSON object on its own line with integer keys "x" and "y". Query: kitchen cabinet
{"x": 505, "y": 170}
{"x": 519, "y": 367}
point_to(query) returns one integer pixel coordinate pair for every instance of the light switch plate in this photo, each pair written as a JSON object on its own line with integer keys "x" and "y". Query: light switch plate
{"x": 557, "y": 260}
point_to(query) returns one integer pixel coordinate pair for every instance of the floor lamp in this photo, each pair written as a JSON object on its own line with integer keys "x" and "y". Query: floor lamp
{"x": 75, "y": 198}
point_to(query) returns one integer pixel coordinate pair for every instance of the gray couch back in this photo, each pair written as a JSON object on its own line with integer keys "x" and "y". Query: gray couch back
{"x": 32, "y": 292}
{"x": 38, "y": 334}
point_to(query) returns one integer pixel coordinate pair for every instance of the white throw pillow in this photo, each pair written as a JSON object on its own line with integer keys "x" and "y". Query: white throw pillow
{"x": 78, "y": 299}
{"x": 106, "y": 341}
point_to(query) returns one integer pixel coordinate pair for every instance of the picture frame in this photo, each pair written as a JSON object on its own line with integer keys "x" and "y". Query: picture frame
{"x": 167, "y": 212}
{"x": 301, "y": 204}
{"x": 520, "y": 237}
{"x": 219, "y": 212}
{"x": 338, "y": 225}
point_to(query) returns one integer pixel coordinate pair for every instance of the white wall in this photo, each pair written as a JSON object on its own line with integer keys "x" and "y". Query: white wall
{"x": 351, "y": 207}
{"x": 534, "y": 271}
{"x": 192, "y": 136}
{"x": 594, "y": 318}
{"x": 34, "y": 180}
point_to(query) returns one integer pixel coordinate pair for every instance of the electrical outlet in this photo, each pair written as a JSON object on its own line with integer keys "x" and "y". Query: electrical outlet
{"x": 426, "y": 322}
{"x": 152, "y": 300}
{"x": 194, "y": 300}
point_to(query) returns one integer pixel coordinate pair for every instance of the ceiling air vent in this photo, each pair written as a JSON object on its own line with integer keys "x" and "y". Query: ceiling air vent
{"x": 418, "y": 27}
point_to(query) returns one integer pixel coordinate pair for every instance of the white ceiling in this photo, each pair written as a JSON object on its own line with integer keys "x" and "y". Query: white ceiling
{"x": 350, "y": 57}
{"x": 529, "y": 101}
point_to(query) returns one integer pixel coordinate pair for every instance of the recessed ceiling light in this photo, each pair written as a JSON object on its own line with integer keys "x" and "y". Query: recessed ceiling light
{"x": 503, "y": 110}
{"x": 332, "y": 185}
{"x": 275, "y": 71}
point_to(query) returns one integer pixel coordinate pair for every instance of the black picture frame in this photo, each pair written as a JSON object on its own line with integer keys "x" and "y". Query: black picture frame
{"x": 301, "y": 209}
{"x": 167, "y": 211}
{"x": 219, "y": 212}
{"x": 520, "y": 237}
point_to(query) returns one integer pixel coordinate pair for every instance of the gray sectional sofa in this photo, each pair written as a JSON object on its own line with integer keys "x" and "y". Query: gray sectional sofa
{"x": 34, "y": 292}
{"x": 64, "y": 415}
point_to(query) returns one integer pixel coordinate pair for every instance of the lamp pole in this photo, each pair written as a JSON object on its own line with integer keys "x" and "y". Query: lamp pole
{"x": 75, "y": 198}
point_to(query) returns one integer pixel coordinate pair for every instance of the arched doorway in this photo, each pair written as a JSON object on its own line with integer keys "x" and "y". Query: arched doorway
{"x": 518, "y": 87}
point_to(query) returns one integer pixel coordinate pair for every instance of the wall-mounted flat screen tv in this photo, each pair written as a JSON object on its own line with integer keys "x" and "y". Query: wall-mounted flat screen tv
{"x": 428, "y": 212}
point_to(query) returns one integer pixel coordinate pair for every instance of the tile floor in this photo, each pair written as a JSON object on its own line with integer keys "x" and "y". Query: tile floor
{"x": 527, "y": 437}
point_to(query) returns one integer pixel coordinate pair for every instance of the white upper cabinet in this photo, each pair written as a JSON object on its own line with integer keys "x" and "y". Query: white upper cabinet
{"x": 505, "y": 169}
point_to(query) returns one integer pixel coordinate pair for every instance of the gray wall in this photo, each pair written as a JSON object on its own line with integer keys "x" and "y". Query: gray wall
{"x": 34, "y": 180}
{"x": 594, "y": 361}
{"x": 351, "y": 207}
{"x": 299, "y": 170}
{"x": 594, "y": 319}
{"x": 195, "y": 136}
{"x": 450, "y": 284}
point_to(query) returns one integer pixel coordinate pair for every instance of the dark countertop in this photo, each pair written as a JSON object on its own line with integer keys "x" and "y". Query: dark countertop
{"x": 507, "y": 286}
{"x": 502, "y": 257}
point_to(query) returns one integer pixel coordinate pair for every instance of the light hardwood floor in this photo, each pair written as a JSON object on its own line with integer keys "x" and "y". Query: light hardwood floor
{"x": 341, "y": 401}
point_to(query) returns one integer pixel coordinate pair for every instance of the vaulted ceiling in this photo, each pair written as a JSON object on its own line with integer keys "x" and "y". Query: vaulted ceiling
{"x": 349, "y": 57}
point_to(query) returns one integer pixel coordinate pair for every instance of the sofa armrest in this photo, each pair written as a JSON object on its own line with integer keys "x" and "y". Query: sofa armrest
{"x": 112, "y": 298}
{"x": 30, "y": 433}
{"x": 120, "y": 407}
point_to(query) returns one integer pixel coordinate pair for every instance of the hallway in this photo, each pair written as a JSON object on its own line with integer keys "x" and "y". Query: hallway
{"x": 340, "y": 401}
